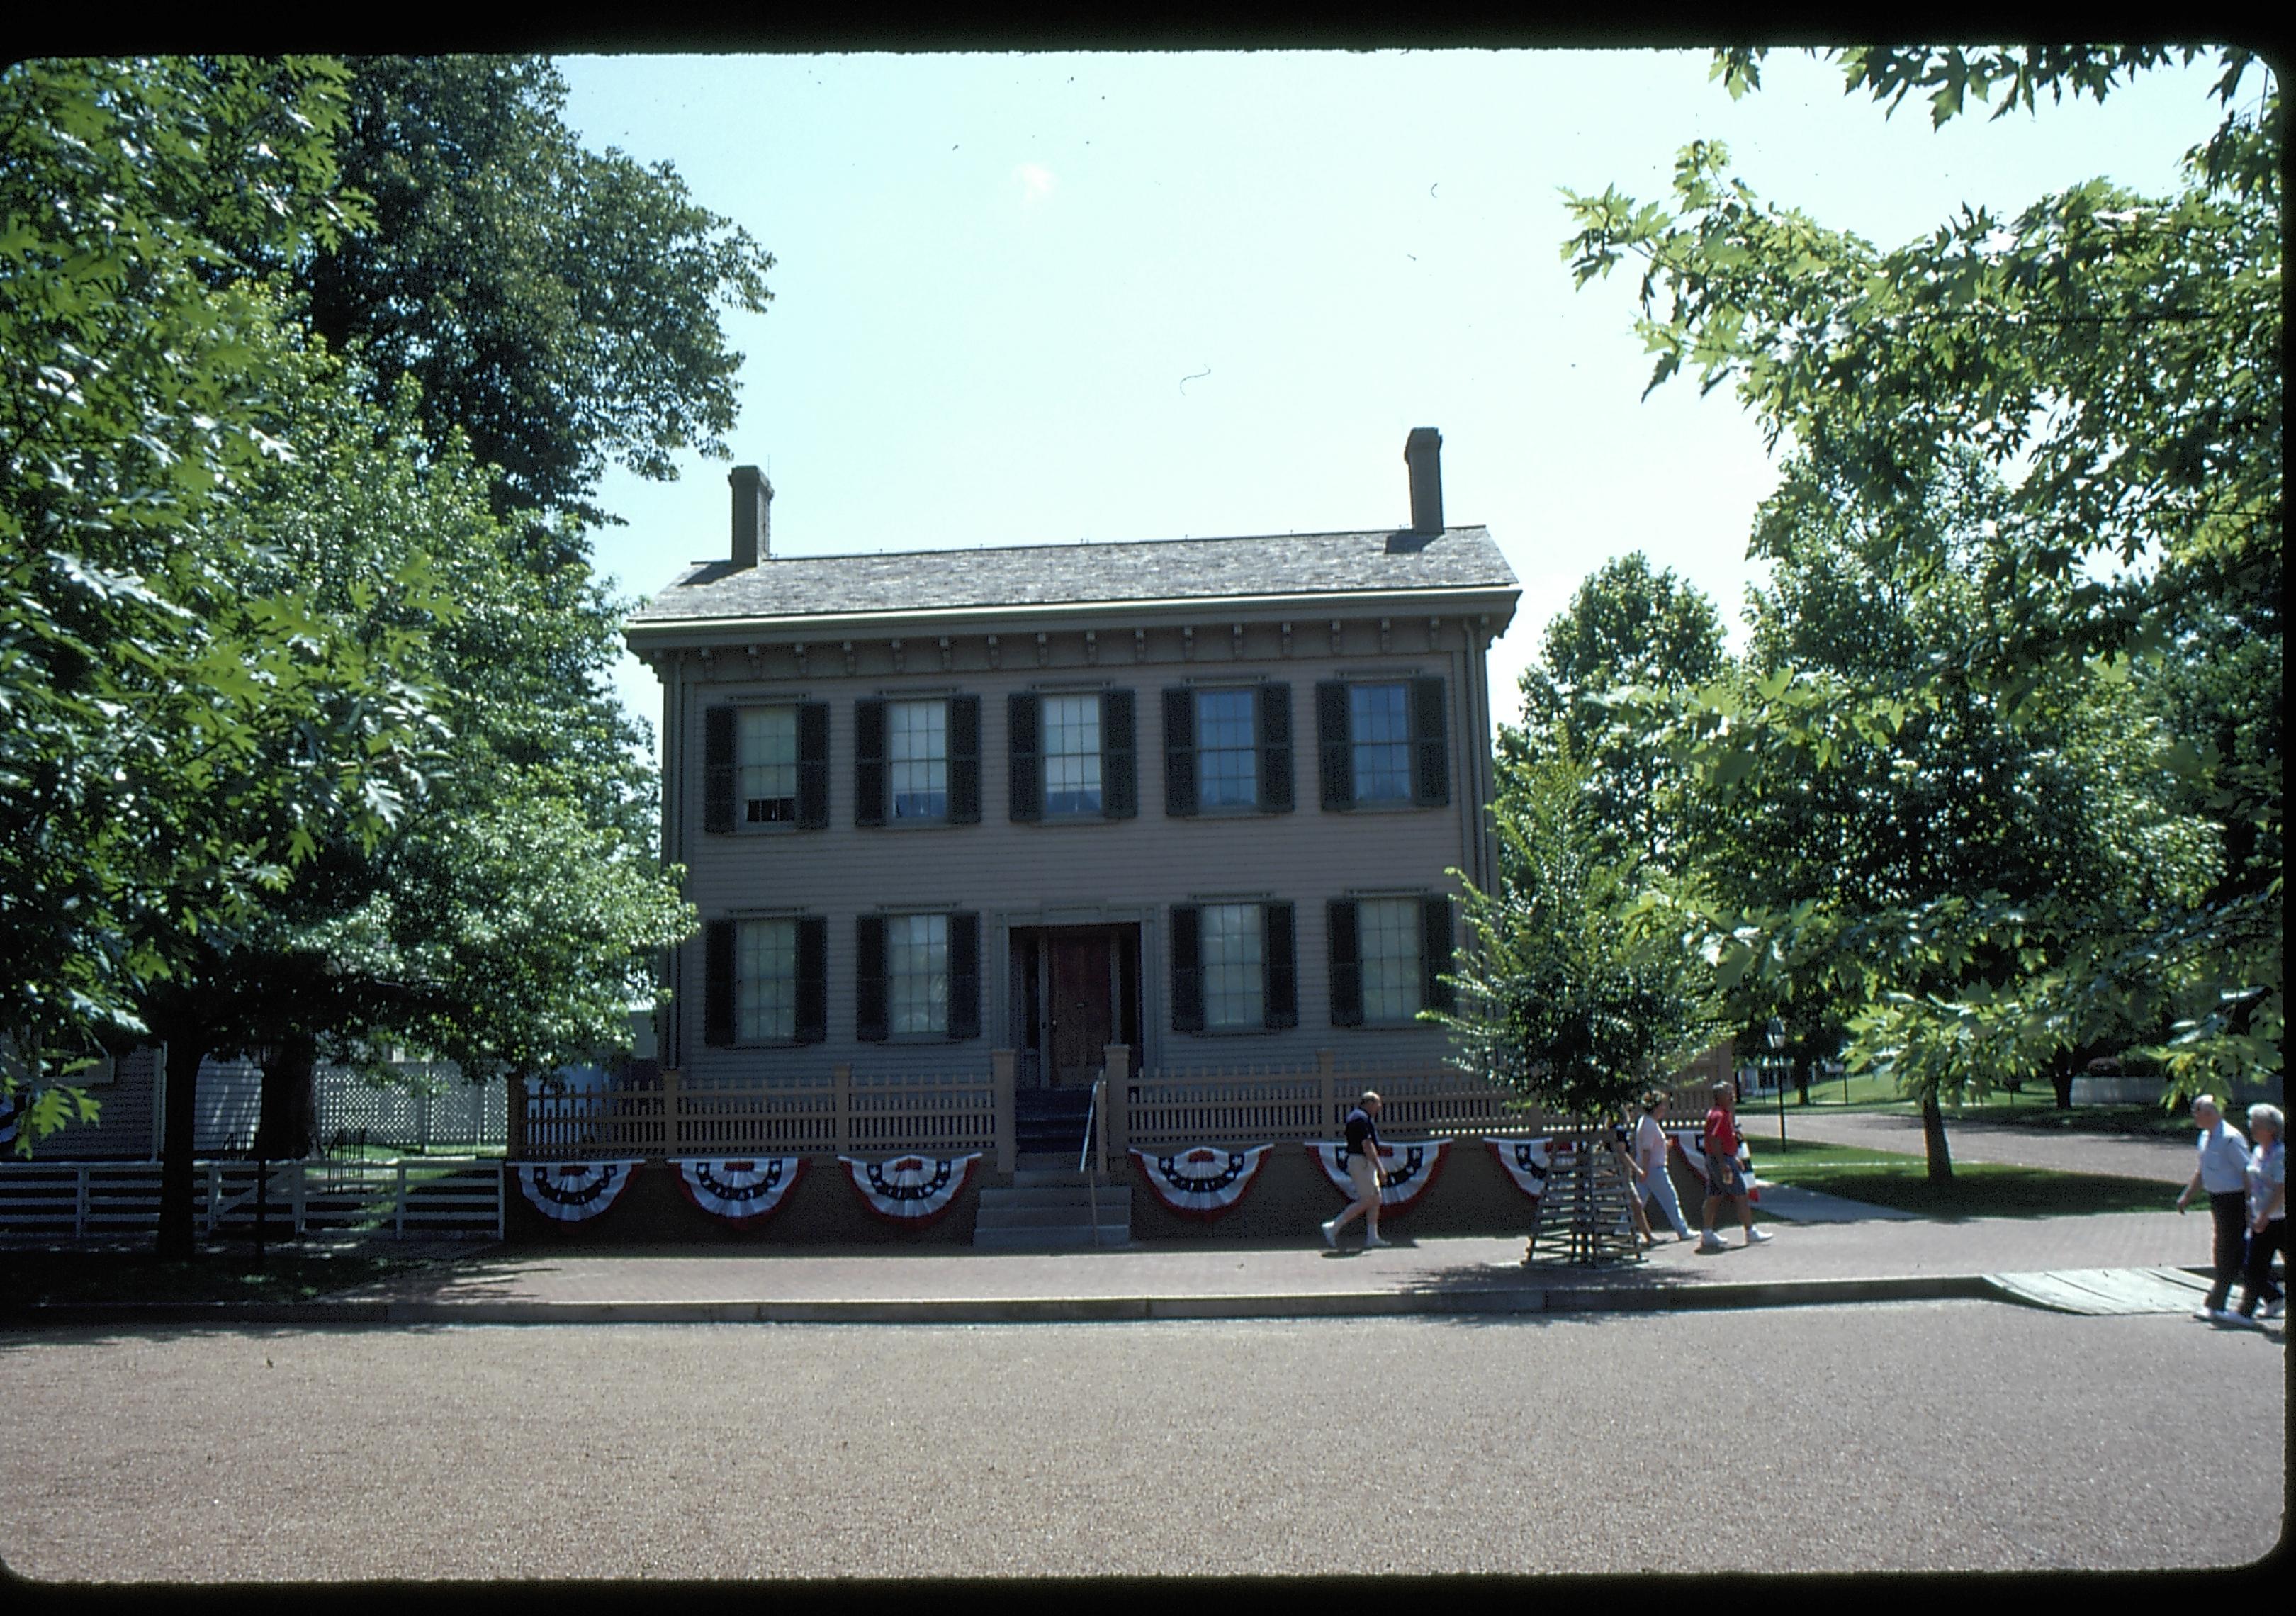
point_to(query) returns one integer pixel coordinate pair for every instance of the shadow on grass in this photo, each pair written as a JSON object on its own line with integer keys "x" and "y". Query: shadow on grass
{"x": 1984, "y": 1189}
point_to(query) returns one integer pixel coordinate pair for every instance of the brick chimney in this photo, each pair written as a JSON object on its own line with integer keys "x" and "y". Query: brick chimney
{"x": 753, "y": 499}
{"x": 1423, "y": 452}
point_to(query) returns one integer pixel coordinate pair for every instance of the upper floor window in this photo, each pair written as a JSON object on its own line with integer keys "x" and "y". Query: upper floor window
{"x": 917, "y": 760}
{"x": 766, "y": 764}
{"x": 1227, "y": 750}
{"x": 916, "y": 753}
{"x": 1072, "y": 755}
{"x": 1382, "y": 742}
{"x": 1233, "y": 968}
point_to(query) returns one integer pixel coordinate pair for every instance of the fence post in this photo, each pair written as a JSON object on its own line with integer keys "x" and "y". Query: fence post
{"x": 841, "y": 1085}
{"x": 501, "y": 1192}
{"x": 672, "y": 1125}
{"x": 1116, "y": 1058}
{"x": 514, "y": 1116}
{"x": 1000, "y": 1081}
{"x": 79, "y": 1204}
{"x": 1326, "y": 1063}
{"x": 399, "y": 1227}
{"x": 302, "y": 1193}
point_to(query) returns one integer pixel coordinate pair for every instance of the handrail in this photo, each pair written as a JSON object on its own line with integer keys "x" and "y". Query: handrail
{"x": 1084, "y": 1154}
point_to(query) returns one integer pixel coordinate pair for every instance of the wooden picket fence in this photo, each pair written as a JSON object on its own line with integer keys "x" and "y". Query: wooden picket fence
{"x": 435, "y": 1197}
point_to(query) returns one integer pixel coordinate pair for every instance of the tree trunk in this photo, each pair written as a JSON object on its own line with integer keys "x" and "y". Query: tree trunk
{"x": 289, "y": 1126}
{"x": 2061, "y": 1079}
{"x": 1933, "y": 1139}
{"x": 181, "y": 1112}
{"x": 1801, "y": 1079}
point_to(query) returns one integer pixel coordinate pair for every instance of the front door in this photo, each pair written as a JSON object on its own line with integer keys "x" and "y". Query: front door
{"x": 1083, "y": 1023}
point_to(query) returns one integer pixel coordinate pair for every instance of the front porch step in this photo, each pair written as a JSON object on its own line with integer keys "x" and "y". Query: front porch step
{"x": 1065, "y": 1237}
{"x": 1037, "y": 1216}
{"x": 1058, "y": 1198}
{"x": 1052, "y": 1161}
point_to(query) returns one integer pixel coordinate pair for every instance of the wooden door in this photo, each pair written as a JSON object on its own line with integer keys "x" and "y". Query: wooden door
{"x": 1083, "y": 1017}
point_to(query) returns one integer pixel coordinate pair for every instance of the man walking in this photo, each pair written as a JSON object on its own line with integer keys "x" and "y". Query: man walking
{"x": 1725, "y": 1179}
{"x": 1362, "y": 1158}
{"x": 2223, "y": 1173}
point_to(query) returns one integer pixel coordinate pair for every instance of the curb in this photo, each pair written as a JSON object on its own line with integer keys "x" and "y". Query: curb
{"x": 1023, "y": 1309}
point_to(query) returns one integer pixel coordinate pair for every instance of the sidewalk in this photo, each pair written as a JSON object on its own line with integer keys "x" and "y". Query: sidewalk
{"x": 1852, "y": 1259}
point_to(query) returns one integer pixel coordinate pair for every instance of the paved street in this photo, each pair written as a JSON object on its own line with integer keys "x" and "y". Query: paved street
{"x": 1939, "y": 1436}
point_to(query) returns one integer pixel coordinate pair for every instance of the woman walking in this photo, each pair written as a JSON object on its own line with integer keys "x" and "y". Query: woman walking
{"x": 1651, "y": 1176}
{"x": 2267, "y": 1212}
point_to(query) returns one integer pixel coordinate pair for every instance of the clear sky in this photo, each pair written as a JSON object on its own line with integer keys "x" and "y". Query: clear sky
{"x": 1034, "y": 299}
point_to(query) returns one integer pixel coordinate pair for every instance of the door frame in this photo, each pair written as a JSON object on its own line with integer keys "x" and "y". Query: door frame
{"x": 1131, "y": 940}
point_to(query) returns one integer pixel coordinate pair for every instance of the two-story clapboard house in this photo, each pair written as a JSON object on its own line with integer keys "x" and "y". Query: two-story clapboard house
{"x": 1195, "y": 797}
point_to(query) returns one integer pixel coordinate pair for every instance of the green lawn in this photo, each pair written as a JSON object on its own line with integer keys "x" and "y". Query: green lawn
{"x": 227, "y": 1274}
{"x": 1978, "y": 1189}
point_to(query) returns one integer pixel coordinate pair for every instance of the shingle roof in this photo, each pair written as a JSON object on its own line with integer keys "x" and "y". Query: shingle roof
{"x": 1051, "y": 575}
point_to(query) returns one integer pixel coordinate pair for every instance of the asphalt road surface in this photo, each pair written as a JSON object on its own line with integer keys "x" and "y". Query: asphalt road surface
{"x": 1911, "y": 1436}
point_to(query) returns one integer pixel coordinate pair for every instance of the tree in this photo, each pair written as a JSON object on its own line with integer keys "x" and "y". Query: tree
{"x": 558, "y": 307}
{"x": 1557, "y": 1002}
{"x": 2113, "y": 361}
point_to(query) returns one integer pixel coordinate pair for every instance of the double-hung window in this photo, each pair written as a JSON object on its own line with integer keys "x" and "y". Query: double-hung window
{"x": 1232, "y": 967}
{"x": 918, "y": 976}
{"x": 1227, "y": 750}
{"x": 1389, "y": 956}
{"x": 765, "y": 765}
{"x": 1382, "y": 742}
{"x": 1072, "y": 783}
{"x": 916, "y": 973}
{"x": 916, "y": 759}
{"x": 765, "y": 981}
{"x": 1071, "y": 754}
{"x": 1388, "y": 930}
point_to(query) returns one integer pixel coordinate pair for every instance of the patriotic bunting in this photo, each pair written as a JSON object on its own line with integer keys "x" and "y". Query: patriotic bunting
{"x": 1204, "y": 1182}
{"x": 12, "y": 1111}
{"x": 1406, "y": 1171}
{"x": 735, "y": 1189}
{"x": 911, "y": 1191}
{"x": 573, "y": 1191}
{"x": 1525, "y": 1162}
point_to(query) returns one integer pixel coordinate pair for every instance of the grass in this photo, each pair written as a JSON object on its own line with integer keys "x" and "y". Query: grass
{"x": 220, "y": 1273}
{"x": 1978, "y": 1189}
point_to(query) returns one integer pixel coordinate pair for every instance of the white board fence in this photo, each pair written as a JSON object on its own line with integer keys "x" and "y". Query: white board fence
{"x": 436, "y": 1197}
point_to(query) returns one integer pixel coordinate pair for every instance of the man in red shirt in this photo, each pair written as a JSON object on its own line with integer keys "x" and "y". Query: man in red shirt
{"x": 1725, "y": 1180}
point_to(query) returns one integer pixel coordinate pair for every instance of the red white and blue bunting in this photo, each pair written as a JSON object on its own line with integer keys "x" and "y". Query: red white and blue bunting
{"x": 1526, "y": 1161}
{"x": 1204, "y": 1182}
{"x": 911, "y": 1191}
{"x": 12, "y": 1111}
{"x": 1690, "y": 1144}
{"x": 739, "y": 1189}
{"x": 573, "y": 1191}
{"x": 1406, "y": 1171}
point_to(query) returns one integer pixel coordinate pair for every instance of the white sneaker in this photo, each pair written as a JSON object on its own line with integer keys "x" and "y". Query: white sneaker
{"x": 1758, "y": 1237}
{"x": 1712, "y": 1242}
{"x": 2271, "y": 1310}
{"x": 1331, "y": 1234}
{"x": 1372, "y": 1242}
{"x": 2224, "y": 1316}
{"x": 2206, "y": 1316}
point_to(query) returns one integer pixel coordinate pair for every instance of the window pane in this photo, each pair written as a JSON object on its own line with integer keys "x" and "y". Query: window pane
{"x": 1072, "y": 754}
{"x": 1389, "y": 932}
{"x": 1230, "y": 960}
{"x": 1227, "y": 768}
{"x": 765, "y": 981}
{"x": 916, "y": 750}
{"x": 1378, "y": 719}
{"x": 917, "y": 961}
{"x": 768, "y": 751}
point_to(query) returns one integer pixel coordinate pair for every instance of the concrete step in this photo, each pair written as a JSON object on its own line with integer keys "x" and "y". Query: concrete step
{"x": 1050, "y": 1162}
{"x": 1046, "y": 1217}
{"x": 1062, "y": 1238}
{"x": 1059, "y": 1198}
{"x": 1060, "y": 1177}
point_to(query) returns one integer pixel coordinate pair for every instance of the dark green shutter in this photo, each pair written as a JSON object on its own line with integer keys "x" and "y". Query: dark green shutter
{"x": 1435, "y": 954}
{"x": 1187, "y": 969}
{"x": 965, "y": 759}
{"x": 964, "y": 975}
{"x": 1119, "y": 762}
{"x": 1279, "y": 975}
{"x": 1346, "y": 963}
{"x": 717, "y": 768}
{"x": 812, "y": 979}
{"x": 869, "y": 763}
{"x": 1334, "y": 757}
{"x": 717, "y": 985}
{"x": 870, "y": 1016}
{"x": 1022, "y": 731}
{"x": 1275, "y": 738}
{"x": 1430, "y": 741}
{"x": 813, "y": 766}
{"x": 1179, "y": 753}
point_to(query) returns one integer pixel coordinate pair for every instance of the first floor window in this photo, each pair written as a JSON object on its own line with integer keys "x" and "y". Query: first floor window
{"x": 1390, "y": 940}
{"x": 765, "y": 981}
{"x": 916, "y": 969}
{"x": 1232, "y": 963}
{"x": 916, "y": 751}
{"x": 768, "y": 749}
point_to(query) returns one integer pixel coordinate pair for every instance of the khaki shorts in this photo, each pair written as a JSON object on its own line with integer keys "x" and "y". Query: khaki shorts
{"x": 1363, "y": 1172}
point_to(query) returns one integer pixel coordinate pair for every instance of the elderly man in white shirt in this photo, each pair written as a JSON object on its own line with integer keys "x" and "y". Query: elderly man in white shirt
{"x": 2223, "y": 1174}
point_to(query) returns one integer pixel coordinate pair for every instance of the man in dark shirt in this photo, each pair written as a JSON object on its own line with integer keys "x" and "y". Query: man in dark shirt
{"x": 1362, "y": 1158}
